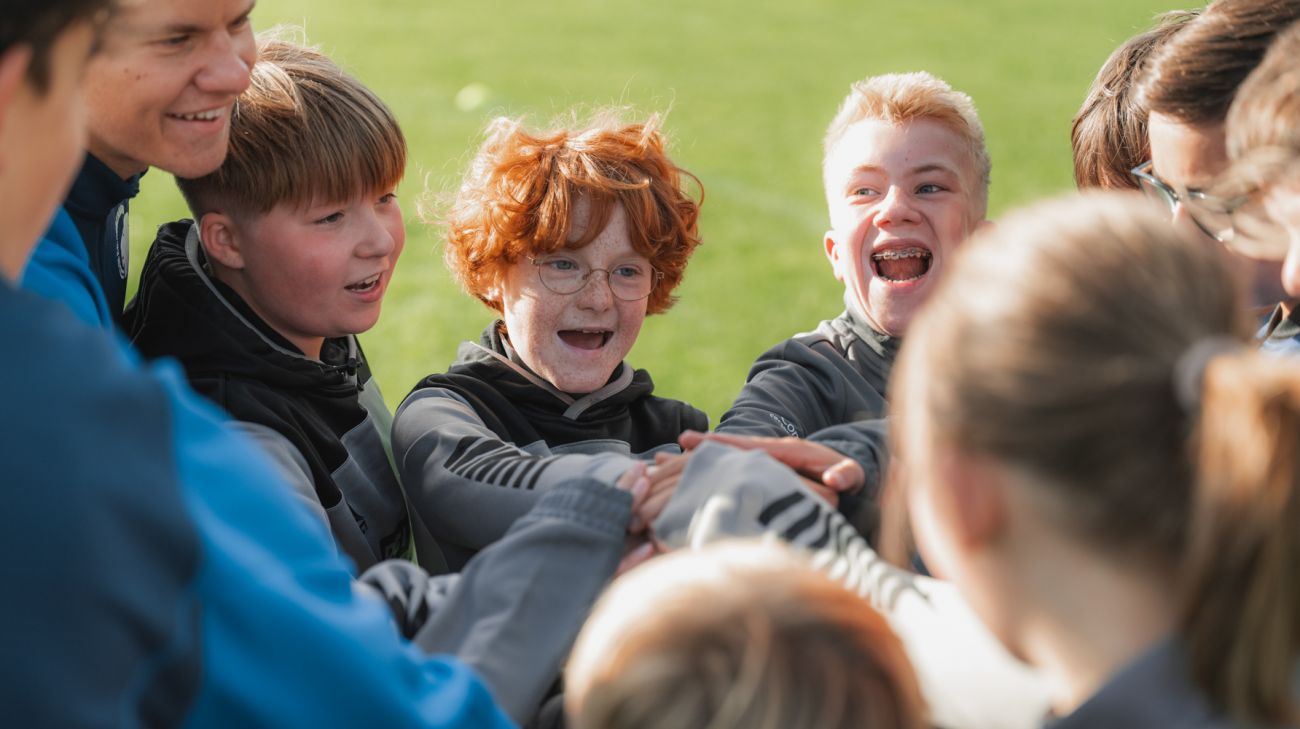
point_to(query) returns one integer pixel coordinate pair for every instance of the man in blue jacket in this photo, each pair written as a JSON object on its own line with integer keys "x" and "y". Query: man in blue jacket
{"x": 159, "y": 92}
{"x": 156, "y": 571}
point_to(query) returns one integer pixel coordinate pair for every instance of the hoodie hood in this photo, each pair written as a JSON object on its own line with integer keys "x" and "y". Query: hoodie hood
{"x": 181, "y": 311}
{"x": 493, "y": 360}
{"x": 521, "y": 407}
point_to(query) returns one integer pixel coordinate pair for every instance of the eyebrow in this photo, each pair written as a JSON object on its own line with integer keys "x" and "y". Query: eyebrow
{"x": 188, "y": 28}
{"x": 918, "y": 170}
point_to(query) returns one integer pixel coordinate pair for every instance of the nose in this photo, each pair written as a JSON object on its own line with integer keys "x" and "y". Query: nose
{"x": 1291, "y": 267}
{"x": 378, "y": 240}
{"x": 595, "y": 293}
{"x": 896, "y": 208}
{"x": 228, "y": 64}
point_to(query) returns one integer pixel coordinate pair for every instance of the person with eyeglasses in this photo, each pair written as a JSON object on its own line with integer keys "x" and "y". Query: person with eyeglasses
{"x": 1263, "y": 135}
{"x": 572, "y": 237}
{"x": 1188, "y": 87}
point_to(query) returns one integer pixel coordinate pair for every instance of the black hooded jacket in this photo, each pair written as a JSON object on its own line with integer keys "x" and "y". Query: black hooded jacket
{"x": 323, "y": 421}
{"x": 478, "y": 444}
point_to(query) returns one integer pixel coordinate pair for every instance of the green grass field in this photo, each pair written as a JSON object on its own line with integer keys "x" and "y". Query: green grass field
{"x": 749, "y": 88}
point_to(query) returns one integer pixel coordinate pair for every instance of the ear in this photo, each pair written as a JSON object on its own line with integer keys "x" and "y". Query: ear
{"x": 13, "y": 74}
{"x": 833, "y": 253}
{"x": 977, "y": 497}
{"x": 222, "y": 241}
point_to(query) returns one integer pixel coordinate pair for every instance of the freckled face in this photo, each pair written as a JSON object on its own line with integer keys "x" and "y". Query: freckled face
{"x": 575, "y": 340}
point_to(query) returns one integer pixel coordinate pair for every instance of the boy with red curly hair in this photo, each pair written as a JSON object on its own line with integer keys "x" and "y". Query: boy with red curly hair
{"x": 572, "y": 236}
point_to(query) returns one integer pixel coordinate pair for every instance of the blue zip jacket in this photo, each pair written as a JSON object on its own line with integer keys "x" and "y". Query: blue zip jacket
{"x": 158, "y": 574}
{"x": 82, "y": 258}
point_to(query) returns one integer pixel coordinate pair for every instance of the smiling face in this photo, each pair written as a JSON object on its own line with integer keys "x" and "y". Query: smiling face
{"x": 313, "y": 273}
{"x": 576, "y": 340}
{"x": 901, "y": 197}
{"x": 160, "y": 91}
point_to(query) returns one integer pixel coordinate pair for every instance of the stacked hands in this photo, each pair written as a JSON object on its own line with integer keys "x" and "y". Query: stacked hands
{"x": 822, "y": 469}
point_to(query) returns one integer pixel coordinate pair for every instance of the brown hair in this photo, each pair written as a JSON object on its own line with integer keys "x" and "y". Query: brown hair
{"x": 303, "y": 132}
{"x": 1267, "y": 110}
{"x": 519, "y": 197}
{"x": 1109, "y": 134}
{"x": 1194, "y": 77}
{"x": 39, "y": 23}
{"x": 1242, "y": 591}
{"x": 738, "y": 636}
{"x": 898, "y": 98}
{"x": 1056, "y": 344}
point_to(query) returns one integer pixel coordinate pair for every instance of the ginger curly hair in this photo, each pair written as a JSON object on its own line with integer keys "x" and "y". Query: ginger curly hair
{"x": 523, "y": 186}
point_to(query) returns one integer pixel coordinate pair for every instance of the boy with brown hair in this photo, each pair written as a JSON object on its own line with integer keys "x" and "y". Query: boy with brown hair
{"x": 295, "y": 240}
{"x": 261, "y": 299}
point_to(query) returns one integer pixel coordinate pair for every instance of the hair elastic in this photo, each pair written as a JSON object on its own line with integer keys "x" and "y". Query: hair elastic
{"x": 1189, "y": 372}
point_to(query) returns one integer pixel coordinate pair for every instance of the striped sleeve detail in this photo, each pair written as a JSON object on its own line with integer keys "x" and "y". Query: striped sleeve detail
{"x": 493, "y": 462}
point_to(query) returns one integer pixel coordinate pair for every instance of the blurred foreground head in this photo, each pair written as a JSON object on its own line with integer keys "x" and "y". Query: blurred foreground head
{"x": 738, "y": 635}
{"x": 1081, "y": 388}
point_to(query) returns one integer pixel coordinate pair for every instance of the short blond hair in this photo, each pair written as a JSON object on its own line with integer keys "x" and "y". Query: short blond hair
{"x": 739, "y": 635}
{"x": 304, "y": 131}
{"x": 898, "y": 98}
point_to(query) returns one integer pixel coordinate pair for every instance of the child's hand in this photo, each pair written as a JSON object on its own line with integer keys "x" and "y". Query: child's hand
{"x": 636, "y": 481}
{"x": 831, "y": 473}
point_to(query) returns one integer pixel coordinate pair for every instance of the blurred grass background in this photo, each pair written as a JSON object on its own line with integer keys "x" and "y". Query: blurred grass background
{"x": 749, "y": 88}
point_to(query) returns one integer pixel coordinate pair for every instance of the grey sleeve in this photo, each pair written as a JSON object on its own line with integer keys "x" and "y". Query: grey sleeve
{"x": 289, "y": 461}
{"x": 467, "y": 484}
{"x": 968, "y": 679}
{"x": 514, "y": 611}
{"x": 347, "y": 535}
{"x": 865, "y": 441}
{"x": 788, "y": 391}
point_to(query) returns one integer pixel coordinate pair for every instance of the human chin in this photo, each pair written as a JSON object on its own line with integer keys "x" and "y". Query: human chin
{"x": 890, "y": 310}
{"x": 193, "y": 148}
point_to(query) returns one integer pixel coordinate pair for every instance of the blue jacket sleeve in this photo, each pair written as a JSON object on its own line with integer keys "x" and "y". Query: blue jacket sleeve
{"x": 284, "y": 629}
{"x": 158, "y": 572}
{"x": 60, "y": 269}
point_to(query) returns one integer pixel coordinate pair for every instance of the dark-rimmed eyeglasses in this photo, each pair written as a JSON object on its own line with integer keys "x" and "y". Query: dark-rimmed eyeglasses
{"x": 627, "y": 281}
{"x": 1213, "y": 215}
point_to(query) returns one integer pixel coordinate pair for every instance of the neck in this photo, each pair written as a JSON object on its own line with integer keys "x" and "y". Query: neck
{"x": 1091, "y": 625}
{"x": 308, "y": 345}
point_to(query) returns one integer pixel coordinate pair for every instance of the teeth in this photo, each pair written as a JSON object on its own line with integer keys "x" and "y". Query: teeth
{"x": 366, "y": 283}
{"x": 898, "y": 255}
{"x": 200, "y": 116}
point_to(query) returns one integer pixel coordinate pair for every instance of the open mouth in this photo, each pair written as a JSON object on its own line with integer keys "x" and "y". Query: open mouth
{"x": 366, "y": 285}
{"x": 902, "y": 265}
{"x": 590, "y": 339}
{"x": 201, "y": 116}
